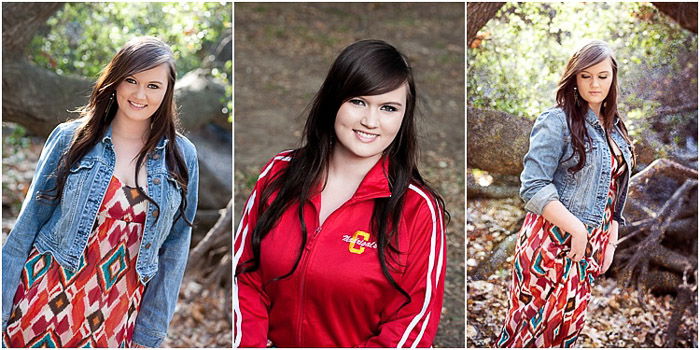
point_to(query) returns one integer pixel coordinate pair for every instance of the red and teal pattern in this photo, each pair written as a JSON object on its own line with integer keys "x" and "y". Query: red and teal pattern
{"x": 549, "y": 293}
{"x": 95, "y": 306}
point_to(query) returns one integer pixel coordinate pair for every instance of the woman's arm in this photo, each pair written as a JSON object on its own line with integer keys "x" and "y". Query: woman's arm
{"x": 415, "y": 324}
{"x": 250, "y": 302}
{"x": 546, "y": 150}
{"x": 34, "y": 214}
{"x": 161, "y": 294}
{"x": 542, "y": 159}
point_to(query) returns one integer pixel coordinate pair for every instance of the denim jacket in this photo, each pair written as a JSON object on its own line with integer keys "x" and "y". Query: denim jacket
{"x": 546, "y": 178}
{"x": 62, "y": 229}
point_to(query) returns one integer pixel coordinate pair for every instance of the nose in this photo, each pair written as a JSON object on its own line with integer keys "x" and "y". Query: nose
{"x": 370, "y": 119}
{"x": 140, "y": 93}
{"x": 595, "y": 82}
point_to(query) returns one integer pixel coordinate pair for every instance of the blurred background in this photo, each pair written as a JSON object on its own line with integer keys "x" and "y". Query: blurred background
{"x": 283, "y": 52}
{"x": 52, "y": 55}
{"x": 516, "y": 55}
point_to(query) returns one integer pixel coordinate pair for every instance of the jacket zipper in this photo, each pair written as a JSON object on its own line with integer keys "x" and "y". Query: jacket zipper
{"x": 308, "y": 250}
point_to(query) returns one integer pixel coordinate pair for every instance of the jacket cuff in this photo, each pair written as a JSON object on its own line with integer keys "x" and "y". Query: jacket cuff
{"x": 545, "y": 195}
{"x": 151, "y": 339}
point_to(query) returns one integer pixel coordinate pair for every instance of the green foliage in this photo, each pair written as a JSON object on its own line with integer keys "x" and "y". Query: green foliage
{"x": 224, "y": 76}
{"x": 17, "y": 137}
{"x": 519, "y": 62}
{"x": 81, "y": 38}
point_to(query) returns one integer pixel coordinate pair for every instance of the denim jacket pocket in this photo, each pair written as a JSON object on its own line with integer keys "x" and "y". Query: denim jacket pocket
{"x": 72, "y": 197}
{"x": 585, "y": 181}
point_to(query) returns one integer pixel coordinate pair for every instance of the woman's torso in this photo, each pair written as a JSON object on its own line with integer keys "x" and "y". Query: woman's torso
{"x": 66, "y": 231}
{"x": 338, "y": 294}
{"x": 584, "y": 192}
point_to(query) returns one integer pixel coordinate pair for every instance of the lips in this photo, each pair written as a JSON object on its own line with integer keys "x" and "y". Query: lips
{"x": 365, "y": 136}
{"x": 137, "y": 106}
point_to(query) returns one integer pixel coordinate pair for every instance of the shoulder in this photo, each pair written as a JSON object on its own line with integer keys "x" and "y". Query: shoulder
{"x": 62, "y": 135}
{"x": 421, "y": 204}
{"x": 66, "y": 129}
{"x": 552, "y": 121}
{"x": 554, "y": 115}
{"x": 276, "y": 164}
{"x": 189, "y": 151}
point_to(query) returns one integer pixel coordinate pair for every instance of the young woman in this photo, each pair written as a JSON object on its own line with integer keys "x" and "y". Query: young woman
{"x": 342, "y": 242}
{"x": 99, "y": 249}
{"x": 574, "y": 183}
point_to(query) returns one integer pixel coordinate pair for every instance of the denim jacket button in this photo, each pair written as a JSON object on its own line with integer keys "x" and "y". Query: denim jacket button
{"x": 156, "y": 156}
{"x": 148, "y": 245}
{"x": 156, "y": 181}
{"x": 155, "y": 213}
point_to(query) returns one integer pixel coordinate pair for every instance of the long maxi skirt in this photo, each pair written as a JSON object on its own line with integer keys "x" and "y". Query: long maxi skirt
{"x": 549, "y": 292}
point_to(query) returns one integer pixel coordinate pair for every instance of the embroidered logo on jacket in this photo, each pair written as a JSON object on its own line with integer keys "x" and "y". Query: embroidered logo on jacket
{"x": 358, "y": 242}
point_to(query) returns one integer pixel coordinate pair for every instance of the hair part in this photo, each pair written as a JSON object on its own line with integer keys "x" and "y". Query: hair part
{"x": 365, "y": 68}
{"x": 137, "y": 55}
{"x": 576, "y": 108}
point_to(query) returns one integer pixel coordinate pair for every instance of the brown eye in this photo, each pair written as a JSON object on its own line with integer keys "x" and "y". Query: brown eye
{"x": 357, "y": 102}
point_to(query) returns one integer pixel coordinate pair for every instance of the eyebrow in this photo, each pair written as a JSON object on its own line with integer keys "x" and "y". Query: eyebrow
{"x": 585, "y": 71}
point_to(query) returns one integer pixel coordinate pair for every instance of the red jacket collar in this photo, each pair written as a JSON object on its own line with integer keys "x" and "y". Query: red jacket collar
{"x": 376, "y": 183}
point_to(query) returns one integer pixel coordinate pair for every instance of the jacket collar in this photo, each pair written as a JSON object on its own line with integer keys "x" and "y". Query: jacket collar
{"x": 375, "y": 184}
{"x": 592, "y": 119}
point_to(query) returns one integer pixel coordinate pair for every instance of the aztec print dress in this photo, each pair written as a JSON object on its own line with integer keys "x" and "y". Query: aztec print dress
{"x": 95, "y": 306}
{"x": 549, "y": 293}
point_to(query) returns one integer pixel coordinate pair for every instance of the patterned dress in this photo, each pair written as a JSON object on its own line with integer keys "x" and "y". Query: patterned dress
{"x": 549, "y": 293}
{"x": 97, "y": 305}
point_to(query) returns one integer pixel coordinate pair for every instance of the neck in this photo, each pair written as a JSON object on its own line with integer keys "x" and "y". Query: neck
{"x": 344, "y": 164}
{"x": 596, "y": 109}
{"x": 126, "y": 128}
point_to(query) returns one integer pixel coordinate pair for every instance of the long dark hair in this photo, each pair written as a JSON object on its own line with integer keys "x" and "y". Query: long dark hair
{"x": 576, "y": 108}
{"x": 137, "y": 55}
{"x": 365, "y": 68}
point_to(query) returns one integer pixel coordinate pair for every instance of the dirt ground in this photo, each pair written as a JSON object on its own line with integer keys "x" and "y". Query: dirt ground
{"x": 282, "y": 53}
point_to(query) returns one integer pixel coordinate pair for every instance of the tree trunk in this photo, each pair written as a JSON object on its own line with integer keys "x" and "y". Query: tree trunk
{"x": 478, "y": 13}
{"x": 497, "y": 141}
{"x": 19, "y": 23}
{"x": 683, "y": 13}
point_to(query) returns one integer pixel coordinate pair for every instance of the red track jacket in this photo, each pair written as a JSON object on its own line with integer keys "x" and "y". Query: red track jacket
{"x": 338, "y": 295}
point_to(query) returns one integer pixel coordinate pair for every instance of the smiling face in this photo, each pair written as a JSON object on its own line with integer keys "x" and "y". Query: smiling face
{"x": 366, "y": 125}
{"x": 139, "y": 95}
{"x": 594, "y": 83}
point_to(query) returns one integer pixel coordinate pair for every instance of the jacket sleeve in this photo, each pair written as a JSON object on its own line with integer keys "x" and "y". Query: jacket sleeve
{"x": 161, "y": 294}
{"x": 250, "y": 301}
{"x": 34, "y": 214}
{"x": 415, "y": 324}
{"x": 542, "y": 159}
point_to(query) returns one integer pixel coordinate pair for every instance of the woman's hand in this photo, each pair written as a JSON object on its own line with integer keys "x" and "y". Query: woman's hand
{"x": 610, "y": 249}
{"x": 579, "y": 241}
{"x": 557, "y": 214}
